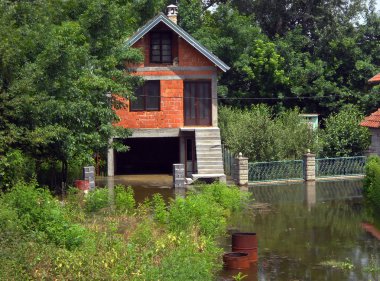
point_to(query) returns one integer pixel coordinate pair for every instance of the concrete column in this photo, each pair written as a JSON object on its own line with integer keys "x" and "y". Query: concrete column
{"x": 310, "y": 194}
{"x": 309, "y": 167}
{"x": 178, "y": 175}
{"x": 241, "y": 170}
{"x": 214, "y": 100}
{"x": 110, "y": 161}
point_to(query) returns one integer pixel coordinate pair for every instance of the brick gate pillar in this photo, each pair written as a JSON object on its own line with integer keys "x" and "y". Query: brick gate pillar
{"x": 309, "y": 166}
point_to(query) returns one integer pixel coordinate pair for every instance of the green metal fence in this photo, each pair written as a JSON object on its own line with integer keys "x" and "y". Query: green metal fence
{"x": 275, "y": 170}
{"x": 228, "y": 161}
{"x": 342, "y": 166}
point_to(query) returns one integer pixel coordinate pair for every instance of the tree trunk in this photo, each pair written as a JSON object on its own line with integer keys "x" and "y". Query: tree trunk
{"x": 64, "y": 176}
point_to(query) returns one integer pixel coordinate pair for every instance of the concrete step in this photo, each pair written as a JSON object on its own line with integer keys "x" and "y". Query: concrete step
{"x": 206, "y": 138}
{"x": 210, "y": 171}
{"x": 208, "y": 161}
{"x": 206, "y": 166}
{"x": 208, "y": 147}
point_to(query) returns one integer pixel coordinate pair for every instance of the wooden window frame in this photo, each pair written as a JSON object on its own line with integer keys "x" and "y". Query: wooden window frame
{"x": 160, "y": 36}
{"x": 141, "y": 92}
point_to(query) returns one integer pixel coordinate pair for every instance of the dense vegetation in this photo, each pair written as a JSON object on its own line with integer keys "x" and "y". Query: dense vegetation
{"x": 103, "y": 237}
{"x": 60, "y": 60}
{"x": 371, "y": 189}
{"x": 262, "y": 135}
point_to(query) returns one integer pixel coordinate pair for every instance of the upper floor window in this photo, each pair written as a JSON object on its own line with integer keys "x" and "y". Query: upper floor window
{"x": 147, "y": 97}
{"x": 161, "y": 47}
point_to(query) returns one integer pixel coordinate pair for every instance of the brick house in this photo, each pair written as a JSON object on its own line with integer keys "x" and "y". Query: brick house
{"x": 174, "y": 116}
{"x": 372, "y": 122}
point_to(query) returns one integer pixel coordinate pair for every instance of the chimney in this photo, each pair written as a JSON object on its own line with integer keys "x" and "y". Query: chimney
{"x": 172, "y": 13}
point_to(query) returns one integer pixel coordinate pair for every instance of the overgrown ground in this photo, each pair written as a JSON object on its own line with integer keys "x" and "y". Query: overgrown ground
{"x": 107, "y": 236}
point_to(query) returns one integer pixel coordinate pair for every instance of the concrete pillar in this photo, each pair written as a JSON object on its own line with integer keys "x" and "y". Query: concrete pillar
{"x": 110, "y": 161}
{"x": 241, "y": 170}
{"x": 111, "y": 192}
{"x": 309, "y": 167}
{"x": 310, "y": 194}
{"x": 178, "y": 175}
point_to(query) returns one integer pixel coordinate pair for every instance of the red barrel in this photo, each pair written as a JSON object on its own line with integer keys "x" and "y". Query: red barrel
{"x": 82, "y": 184}
{"x": 236, "y": 260}
{"x": 245, "y": 242}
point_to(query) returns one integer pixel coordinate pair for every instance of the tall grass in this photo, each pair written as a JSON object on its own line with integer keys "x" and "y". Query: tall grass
{"x": 103, "y": 237}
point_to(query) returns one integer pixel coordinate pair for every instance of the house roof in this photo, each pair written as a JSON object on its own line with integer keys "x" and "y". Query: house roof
{"x": 186, "y": 36}
{"x": 375, "y": 79}
{"x": 372, "y": 121}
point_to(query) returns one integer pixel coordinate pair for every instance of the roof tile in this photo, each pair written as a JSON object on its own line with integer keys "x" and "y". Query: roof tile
{"x": 372, "y": 121}
{"x": 375, "y": 79}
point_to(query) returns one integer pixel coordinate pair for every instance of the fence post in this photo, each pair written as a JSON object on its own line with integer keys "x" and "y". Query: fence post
{"x": 178, "y": 175}
{"x": 309, "y": 166}
{"x": 240, "y": 173}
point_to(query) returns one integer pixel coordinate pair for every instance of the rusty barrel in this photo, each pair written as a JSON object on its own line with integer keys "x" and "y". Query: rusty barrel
{"x": 236, "y": 260}
{"x": 82, "y": 184}
{"x": 245, "y": 242}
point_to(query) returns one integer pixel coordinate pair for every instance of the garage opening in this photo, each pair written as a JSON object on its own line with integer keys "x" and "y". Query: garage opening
{"x": 147, "y": 156}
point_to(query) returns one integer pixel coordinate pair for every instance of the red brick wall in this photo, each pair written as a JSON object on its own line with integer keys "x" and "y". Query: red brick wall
{"x": 187, "y": 54}
{"x": 170, "y": 115}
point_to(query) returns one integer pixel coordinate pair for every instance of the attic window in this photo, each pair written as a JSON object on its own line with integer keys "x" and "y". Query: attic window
{"x": 161, "y": 47}
{"x": 147, "y": 97}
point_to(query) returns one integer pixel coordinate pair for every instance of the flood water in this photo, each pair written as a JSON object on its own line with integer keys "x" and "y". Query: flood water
{"x": 144, "y": 186}
{"x": 309, "y": 232}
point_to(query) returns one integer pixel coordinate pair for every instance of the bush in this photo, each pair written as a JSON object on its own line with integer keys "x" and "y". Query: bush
{"x": 262, "y": 137}
{"x": 343, "y": 136}
{"x": 97, "y": 199}
{"x": 207, "y": 208}
{"x": 152, "y": 242}
{"x": 124, "y": 199}
{"x": 371, "y": 188}
{"x": 42, "y": 215}
{"x": 15, "y": 167}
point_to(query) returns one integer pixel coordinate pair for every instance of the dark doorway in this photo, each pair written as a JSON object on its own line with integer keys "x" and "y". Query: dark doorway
{"x": 198, "y": 103}
{"x": 147, "y": 156}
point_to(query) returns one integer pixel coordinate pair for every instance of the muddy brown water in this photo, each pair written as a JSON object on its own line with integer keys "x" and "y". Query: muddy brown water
{"x": 309, "y": 232}
{"x": 144, "y": 186}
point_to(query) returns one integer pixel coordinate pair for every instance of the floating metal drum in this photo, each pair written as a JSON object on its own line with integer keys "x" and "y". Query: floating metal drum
{"x": 236, "y": 260}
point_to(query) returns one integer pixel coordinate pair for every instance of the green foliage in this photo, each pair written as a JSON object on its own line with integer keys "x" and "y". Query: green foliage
{"x": 129, "y": 244}
{"x": 313, "y": 55}
{"x": 371, "y": 186}
{"x": 159, "y": 208}
{"x": 261, "y": 137}
{"x": 58, "y": 62}
{"x": 97, "y": 199}
{"x": 14, "y": 167}
{"x": 42, "y": 215}
{"x": 343, "y": 136}
{"x": 124, "y": 199}
{"x": 207, "y": 210}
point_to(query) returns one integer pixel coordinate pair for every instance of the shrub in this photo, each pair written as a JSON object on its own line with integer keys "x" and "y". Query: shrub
{"x": 97, "y": 199}
{"x": 159, "y": 208}
{"x": 262, "y": 137}
{"x": 206, "y": 208}
{"x": 124, "y": 199}
{"x": 41, "y": 214}
{"x": 343, "y": 136}
{"x": 15, "y": 167}
{"x": 371, "y": 188}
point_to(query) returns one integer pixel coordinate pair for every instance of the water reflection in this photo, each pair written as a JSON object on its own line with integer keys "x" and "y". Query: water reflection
{"x": 144, "y": 186}
{"x": 309, "y": 232}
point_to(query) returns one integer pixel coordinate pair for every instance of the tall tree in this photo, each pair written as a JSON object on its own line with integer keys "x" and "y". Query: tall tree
{"x": 59, "y": 63}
